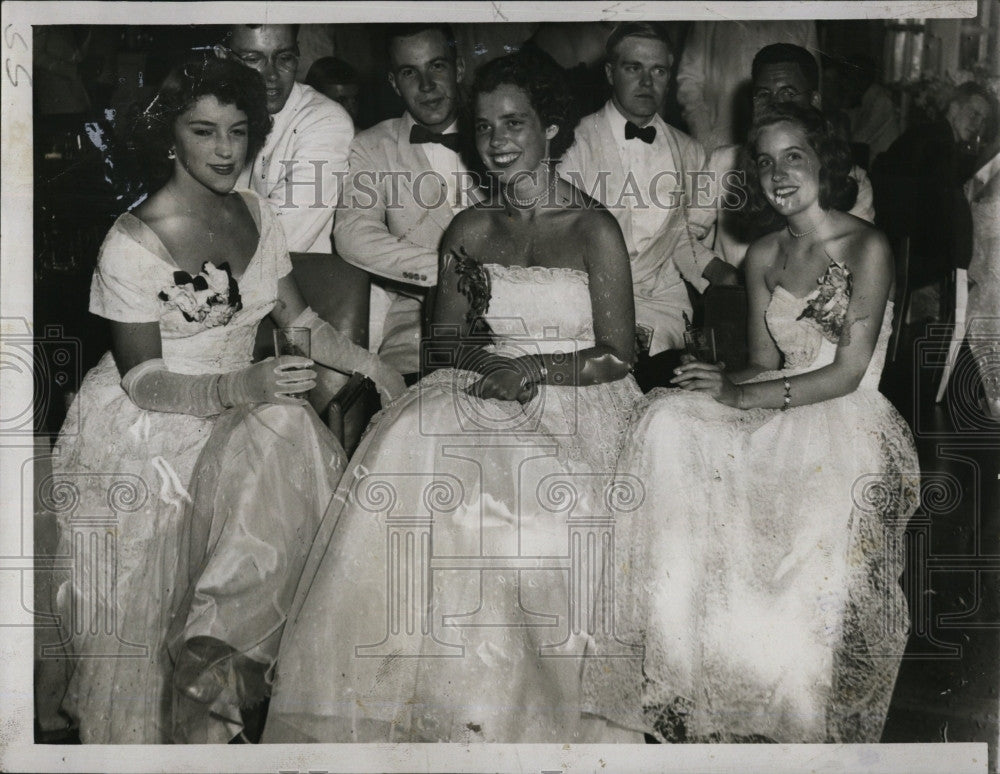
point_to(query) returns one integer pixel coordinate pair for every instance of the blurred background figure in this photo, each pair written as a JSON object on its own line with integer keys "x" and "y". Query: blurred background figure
{"x": 714, "y": 70}
{"x": 579, "y": 50}
{"x": 984, "y": 280}
{"x": 851, "y": 86}
{"x": 338, "y": 80}
{"x": 919, "y": 191}
{"x": 58, "y": 86}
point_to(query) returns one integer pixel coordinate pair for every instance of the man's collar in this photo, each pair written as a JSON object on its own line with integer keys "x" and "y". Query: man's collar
{"x": 409, "y": 121}
{"x": 618, "y": 121}
{"x": 293, "y": 99}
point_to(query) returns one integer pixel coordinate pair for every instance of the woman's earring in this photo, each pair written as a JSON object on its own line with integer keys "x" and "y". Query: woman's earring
{"x": 171, "y": 154}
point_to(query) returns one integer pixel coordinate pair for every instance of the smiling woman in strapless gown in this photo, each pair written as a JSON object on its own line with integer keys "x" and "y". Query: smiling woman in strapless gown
{"x": 439, "y": 602}
{"x": 761, "y": 573}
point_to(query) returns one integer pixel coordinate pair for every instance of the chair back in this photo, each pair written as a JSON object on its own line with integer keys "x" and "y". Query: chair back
{"x": 726, "y": 313}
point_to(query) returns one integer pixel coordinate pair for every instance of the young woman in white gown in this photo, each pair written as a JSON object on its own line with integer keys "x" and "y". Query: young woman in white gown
{"x": 761, "y": 573}
{"x": 193, "y": 481}
{"x": 438, "y": 603}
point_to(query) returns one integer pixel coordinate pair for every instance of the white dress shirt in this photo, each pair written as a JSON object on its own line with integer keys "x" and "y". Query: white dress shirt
{"x": 448, "y": 164}
{"x": 640, "y": 184}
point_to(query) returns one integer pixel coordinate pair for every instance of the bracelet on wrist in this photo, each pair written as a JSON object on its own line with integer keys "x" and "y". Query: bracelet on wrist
{"x": 787, "y": 399}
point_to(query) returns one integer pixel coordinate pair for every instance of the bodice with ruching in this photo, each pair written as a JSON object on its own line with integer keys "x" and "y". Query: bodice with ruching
{"x": 808, "y": 330}
{"x": 548, "y": 306}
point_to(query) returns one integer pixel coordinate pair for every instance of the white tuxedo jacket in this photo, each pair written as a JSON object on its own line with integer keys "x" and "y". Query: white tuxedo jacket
{"x": 661, "y": 298}
{"x": 392, "y": 216}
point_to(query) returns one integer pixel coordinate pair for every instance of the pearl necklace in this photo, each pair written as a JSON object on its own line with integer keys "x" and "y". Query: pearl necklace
{"x": 532, "y": 201}
{"x": 807, "y": 232}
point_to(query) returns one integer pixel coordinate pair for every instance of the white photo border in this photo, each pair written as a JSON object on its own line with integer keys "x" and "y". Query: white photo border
{"x": 17, "y": 751}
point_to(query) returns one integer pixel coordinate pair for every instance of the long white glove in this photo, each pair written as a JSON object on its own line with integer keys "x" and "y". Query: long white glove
{"x": 274, "y": 380}
{"x": 151, "y": 386}
{"x": 335, "y": 350}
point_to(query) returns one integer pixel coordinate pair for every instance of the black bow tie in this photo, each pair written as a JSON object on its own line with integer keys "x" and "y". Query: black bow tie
{"x": 421, "y": 134}
{"x": 646, "y": 133}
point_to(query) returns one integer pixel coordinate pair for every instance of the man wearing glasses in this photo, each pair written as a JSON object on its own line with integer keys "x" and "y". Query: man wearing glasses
{"x": 300, "y": 168}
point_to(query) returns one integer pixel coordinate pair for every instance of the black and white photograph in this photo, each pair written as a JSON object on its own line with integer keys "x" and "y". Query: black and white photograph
{"x": 485, "y": 386}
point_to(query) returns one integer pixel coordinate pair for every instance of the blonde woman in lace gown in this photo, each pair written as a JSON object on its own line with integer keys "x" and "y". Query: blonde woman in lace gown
{"x": 437, "y": 603}
{"x": 761, "y": 573}
{"x": 193, "y": 482}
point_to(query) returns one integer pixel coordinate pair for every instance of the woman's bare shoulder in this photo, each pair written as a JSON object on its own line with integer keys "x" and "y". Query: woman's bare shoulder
{"x": 858, "y": 243}
{"x": 470, "y": 227}
{"x": 594, "y": 220}
{"x": 763, "y": 252}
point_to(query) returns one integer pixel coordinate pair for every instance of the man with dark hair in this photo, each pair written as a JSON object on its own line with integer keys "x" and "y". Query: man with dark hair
{"x": 406, "y": 183}
{"x": 785, "y": 57}
{"x": 305, "y": 156}
{"x": 338, "y": 80}
{"x": 714, "y": 68}
{"x": 627, "y": 157}
{"x": 781, "y": 72}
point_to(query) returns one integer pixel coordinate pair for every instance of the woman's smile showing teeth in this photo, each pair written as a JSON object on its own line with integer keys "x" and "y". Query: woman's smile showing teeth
{"x": 783, "y": 193}
{"x": 504, "y": 159}
{"x": 223, "y": 169}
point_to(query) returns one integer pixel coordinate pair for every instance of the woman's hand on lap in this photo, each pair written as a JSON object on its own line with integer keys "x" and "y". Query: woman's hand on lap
{"x": 709, "y": 378}
{"x": 504, "y": 384}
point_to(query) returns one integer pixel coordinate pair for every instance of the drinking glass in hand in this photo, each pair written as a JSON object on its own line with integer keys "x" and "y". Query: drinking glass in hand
{"x": 293, "y": 341}
{"x": 699, "y": 344}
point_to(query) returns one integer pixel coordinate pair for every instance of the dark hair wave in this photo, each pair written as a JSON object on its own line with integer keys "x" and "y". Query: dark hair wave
{"x": 538, "y": 76}
{"x": 200, "y": 75}
{"x": 837, "y": 189}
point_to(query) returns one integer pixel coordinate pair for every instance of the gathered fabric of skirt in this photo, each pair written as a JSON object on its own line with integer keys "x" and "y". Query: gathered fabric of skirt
{"x": 760, "y": 575}
{"x": 438, "y": 603}
{"x": 155, "y": 508}
{"x": 259, "y": 490}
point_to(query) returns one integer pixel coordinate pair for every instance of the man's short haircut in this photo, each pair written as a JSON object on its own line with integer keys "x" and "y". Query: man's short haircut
{"x": 648, "y": 30}
{"x": 787, "y": 53}
{"x": 966, "y": 91}
{"x": 232, "y": 28}
{"x": 396, "y": 31}
{"x": 330, "y": 71}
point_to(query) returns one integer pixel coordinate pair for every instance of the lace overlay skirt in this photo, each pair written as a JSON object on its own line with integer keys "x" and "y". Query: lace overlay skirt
{"x": 760, "y": 575}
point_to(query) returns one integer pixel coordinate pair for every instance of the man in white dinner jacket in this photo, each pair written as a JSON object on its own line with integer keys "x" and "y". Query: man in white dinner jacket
{"x": 304, "y": 159}
{"x": 406, "y": 183}
{"x": 629, "y": 158}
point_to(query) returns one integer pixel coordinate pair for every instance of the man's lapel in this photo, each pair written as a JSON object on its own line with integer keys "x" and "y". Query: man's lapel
{"x": 608, "y": 157}
{"x": 413, "y": 160}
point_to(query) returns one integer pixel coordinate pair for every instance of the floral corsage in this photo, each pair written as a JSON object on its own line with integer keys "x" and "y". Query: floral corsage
{"x": 827, "y": 306}
{"x": 474, "y": 284}
{"x": 211, "y": 297}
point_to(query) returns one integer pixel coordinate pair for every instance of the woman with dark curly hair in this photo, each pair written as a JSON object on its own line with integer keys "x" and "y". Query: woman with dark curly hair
{"x": 763, "y": 565}
{"x": 448, "y": 598}
{"x": 199, "y": 478}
